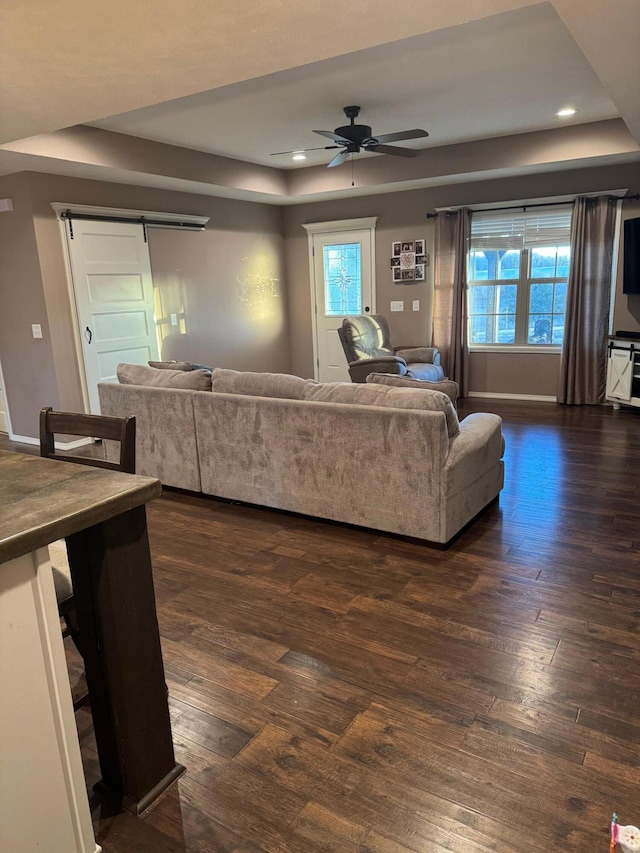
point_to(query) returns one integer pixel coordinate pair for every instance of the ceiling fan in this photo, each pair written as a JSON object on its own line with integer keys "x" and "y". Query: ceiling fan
{"x": 353, "y": 138}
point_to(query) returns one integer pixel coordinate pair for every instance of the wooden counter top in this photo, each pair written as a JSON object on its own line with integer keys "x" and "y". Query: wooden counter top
{"x": 42, "y": 500}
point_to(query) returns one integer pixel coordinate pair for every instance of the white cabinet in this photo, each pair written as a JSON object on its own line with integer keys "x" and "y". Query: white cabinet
{"x": 623, "y": 372}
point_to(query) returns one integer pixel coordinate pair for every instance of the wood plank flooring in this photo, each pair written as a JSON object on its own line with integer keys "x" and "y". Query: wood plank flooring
{"x": 333, "y": 689}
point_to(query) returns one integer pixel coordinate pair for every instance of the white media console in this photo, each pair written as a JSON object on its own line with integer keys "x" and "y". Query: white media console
{"x": 623, "y": 371}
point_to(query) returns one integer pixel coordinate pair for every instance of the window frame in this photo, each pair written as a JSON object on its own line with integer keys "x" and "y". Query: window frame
{"x": 523, "y": 284}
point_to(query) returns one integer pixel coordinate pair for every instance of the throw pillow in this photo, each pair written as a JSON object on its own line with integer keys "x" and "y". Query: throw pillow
{"x": 381, "y": 395}
{"x": 447, "y": 386}
{"x": 140, "y": 374}
{"x": 171, "y": 365}
{"x": 282, "y": 385}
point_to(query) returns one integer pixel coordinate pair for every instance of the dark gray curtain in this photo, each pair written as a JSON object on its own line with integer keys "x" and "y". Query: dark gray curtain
{"x": 450, "y": 295}
{"x": 583, "y": 363}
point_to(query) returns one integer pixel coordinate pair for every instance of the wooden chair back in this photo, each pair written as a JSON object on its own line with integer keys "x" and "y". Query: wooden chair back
{"x": 122, "y": 430}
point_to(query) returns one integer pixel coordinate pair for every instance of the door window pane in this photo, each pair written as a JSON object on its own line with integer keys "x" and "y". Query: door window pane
{"x": 342, "y": 278}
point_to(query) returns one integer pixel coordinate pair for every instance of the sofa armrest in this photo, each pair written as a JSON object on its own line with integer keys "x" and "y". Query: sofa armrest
{"x": 359, "y": 370}
{"x": 419, "y": 355}
{"x": 476, "y": 449}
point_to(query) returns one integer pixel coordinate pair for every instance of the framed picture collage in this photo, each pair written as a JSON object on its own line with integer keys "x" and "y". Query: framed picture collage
{"x": 409, "y": 261}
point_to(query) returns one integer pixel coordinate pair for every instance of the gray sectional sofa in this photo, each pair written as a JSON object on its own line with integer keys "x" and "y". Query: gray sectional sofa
{"x": 395, "y": 459}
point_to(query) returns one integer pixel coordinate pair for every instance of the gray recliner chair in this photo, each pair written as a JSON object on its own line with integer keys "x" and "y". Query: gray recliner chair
{"x": 366, "y": 344}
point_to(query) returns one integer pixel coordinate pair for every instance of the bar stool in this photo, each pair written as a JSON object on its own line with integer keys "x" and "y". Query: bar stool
{"x": 121, "y": 430}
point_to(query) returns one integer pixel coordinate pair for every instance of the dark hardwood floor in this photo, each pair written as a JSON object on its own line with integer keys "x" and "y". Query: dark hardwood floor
{"x": 334, "y": 689}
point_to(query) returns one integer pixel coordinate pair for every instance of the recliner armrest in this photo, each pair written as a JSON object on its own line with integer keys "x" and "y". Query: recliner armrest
{"x": 360, "y": 369}
{"x": 422, "y": 355}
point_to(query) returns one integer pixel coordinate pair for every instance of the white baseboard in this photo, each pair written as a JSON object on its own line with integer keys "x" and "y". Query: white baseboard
{"x": 540, "y": 398}
{"x": 71, "y": 445}
{"x": 23, "y": 439}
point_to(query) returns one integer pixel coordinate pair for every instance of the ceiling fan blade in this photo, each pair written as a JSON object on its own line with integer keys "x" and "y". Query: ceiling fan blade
{"x": 400, "y": 135}
{"x": 304, "y": 150}
{"x": 339, "y": 159}
{"x": 392, "y": 149}
{"x": 334, "y": 136}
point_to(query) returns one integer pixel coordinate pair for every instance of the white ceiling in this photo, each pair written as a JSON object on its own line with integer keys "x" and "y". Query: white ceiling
{"x": 137, "y": 93}
{"x": 506, "y": 74}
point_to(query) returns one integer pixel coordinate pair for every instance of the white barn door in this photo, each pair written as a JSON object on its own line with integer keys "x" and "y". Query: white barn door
{"x": 113, "y": 288}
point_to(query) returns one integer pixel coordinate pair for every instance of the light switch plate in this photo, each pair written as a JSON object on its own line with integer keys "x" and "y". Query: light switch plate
{"x": 416, "y": 304}
{"x": 36, "y": 330}
{"x": 397, "y": 306}
{"x": 174, "y": 319}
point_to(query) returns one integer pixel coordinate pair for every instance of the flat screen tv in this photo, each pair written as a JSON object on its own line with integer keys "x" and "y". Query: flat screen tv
{"x": 631, "y": 257}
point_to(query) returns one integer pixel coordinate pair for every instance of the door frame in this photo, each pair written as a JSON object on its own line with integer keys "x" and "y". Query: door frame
{"x": 94, "y": 210}
{"x": 342, "y": 226}
{"x": 7, "y": 414}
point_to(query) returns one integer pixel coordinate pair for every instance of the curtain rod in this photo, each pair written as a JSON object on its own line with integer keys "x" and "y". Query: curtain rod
{"x": 529, "y": 206}
{"x": 142, "y": 220}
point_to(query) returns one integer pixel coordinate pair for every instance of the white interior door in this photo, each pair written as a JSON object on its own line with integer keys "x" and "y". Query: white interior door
{"x": 113, "y": 287}
{"x": 342, "y": 284}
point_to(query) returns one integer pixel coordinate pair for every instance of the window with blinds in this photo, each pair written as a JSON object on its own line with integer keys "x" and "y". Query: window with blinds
{"x": 517, "y": 276}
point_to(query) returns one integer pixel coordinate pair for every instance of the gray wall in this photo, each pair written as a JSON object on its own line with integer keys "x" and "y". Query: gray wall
{"x": 402, "y": 216}
{"x": 27, "y": 364}
{"x": 626, "y": 314}
{"x": 242, "y": 287}
{"x": 232, "y": 317}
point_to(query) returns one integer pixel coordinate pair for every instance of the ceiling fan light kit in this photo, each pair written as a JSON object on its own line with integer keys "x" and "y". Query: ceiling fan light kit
{"x": 353, "y": 138}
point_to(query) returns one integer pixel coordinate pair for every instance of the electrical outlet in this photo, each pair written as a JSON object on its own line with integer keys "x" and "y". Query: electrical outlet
{"x": 36, "y": 330}
{"x": 397, "y": 306}
{"x": 174, "y": 319}
{"x": 416, "y": 304}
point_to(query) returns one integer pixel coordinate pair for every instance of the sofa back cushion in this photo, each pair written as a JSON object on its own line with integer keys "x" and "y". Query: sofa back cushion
{"x": 179, "y": 365}
{"x": 373, "y": 394}
{"x": 171, "y": 365}
{"x": 281, "y": 385}
{"x": 140, "y": 374}
{"x": 447, "y": 386}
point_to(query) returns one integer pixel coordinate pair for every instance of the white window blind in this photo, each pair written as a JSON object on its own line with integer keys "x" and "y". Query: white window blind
{"x": 513, "y": 229}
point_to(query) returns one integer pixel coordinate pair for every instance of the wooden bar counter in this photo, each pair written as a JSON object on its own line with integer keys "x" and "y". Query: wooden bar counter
{"x": 102, "y": 516}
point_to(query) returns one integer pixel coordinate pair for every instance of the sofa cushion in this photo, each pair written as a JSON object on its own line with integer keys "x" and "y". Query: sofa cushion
{"x": 281, "y": 385}
{"x": 140, "y": 374}
{"x": 171, "y": 365}
{"x": 447, "y": 386}
{"x": 373, "y": 394}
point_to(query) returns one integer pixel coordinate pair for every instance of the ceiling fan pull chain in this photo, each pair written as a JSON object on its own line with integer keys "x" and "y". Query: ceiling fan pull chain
{"x": 352, "y": 181}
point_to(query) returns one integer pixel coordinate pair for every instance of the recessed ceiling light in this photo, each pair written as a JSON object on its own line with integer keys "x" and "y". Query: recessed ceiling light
{"x": 569, "y": 111}
{"x": 299, "y": 156}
